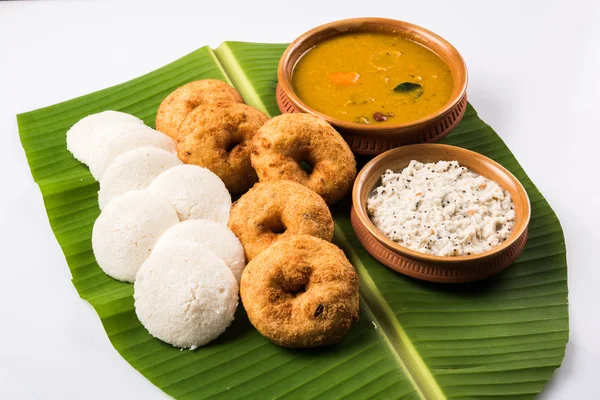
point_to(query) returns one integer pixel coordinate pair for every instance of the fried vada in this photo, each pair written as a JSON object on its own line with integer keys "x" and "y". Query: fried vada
{"x": 284, "y": 143}
{"x": 219, "y": 138}
{"x": 274, "y": 210}
{"x": 177, "y": 105}
{"x": 301, "y": 292}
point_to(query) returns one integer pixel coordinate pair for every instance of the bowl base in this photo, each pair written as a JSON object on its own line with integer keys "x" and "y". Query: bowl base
{"x": 366, "y": 144}
{"x": 436, "y": 273}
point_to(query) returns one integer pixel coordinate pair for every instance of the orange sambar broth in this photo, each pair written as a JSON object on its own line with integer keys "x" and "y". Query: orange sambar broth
{"x": 352, "y": 77}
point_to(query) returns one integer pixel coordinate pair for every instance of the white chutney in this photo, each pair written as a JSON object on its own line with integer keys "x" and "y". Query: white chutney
{"x": 442, "y": 209}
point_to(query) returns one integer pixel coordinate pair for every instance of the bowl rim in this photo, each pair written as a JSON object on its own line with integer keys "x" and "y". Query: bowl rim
{"x": 362, "y": 215}
{"x": 343, "y": 26}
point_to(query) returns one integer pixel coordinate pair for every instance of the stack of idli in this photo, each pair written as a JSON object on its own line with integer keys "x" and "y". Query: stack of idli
{"x": 185, "y": 295}
{"x": 214, "y": 235}
{"x": 98, "y": 139}
{"x": 163, "y": 227}
{"x": 132, "y": 170}
{"x": 194, "y": 192}
{"x": 127, "y": 229}
{"x": 80, "y": 135}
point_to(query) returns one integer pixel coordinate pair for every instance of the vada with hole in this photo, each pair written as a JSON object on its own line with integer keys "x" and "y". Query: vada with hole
{"x": 301, "y": 292}
{"x": 219, "y": 138}
{"x": 177, "y": 105}
{"x": 274, "y": 210}
{"x": 284, "y": 143}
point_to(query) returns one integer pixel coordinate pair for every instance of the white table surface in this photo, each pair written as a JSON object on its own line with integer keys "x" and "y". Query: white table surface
{"x": 534, "y": 77}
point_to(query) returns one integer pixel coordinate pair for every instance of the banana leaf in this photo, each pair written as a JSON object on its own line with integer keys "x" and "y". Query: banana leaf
{"x": 501, "y": 338}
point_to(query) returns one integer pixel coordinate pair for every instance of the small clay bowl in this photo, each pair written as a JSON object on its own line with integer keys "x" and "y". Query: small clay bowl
{"x": 429, "y": 267}
{"x": 374, "y": 139}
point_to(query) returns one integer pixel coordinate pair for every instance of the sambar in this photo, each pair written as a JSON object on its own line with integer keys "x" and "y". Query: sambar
{"x": 372, "y": 78}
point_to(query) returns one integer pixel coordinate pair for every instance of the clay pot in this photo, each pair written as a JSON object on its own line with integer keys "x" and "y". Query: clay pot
{"x": 430, "y": 267}
{"x": 375, "y": 139}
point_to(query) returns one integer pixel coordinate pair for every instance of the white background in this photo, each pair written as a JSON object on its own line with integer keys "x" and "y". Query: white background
{"x": 534, "y": 76}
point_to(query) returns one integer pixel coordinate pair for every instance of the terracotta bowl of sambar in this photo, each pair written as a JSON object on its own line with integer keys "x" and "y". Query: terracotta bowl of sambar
{"x": 444, "y": 269}
{"x": 374, "y": 139}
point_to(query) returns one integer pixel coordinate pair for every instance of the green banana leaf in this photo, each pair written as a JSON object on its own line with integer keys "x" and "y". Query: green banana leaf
{"x": 501, "y": 338}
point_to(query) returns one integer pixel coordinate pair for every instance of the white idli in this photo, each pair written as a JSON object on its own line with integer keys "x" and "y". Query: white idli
{"x": 127, "y": 229}
{"x": 214, "y": 235}
{"x": 194, "y": 192}
{"x": 185, "y": 295}
{"x": 134, "y": 170}
{"x": 108, "y": 144}
{"x": 80, "y": 135}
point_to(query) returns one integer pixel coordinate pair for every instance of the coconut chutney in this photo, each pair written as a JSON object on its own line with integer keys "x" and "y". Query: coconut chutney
{"x": 442, "y": 209}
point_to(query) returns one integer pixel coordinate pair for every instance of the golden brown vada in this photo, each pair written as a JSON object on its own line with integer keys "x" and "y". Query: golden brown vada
{"x": 218, "y": 137}
{"x": 301, "y": 292}
{"x": 177, "y": 105}
{"x": 274, "y": 210}
{"x": 284, "y": 142}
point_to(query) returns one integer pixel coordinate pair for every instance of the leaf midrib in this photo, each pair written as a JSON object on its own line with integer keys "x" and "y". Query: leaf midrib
{"x": 235, "y": 74}
{"x": 390, "y": 328}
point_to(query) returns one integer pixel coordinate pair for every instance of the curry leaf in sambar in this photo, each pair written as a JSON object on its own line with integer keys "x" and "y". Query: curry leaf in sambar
{"x": 405, "y": 87}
